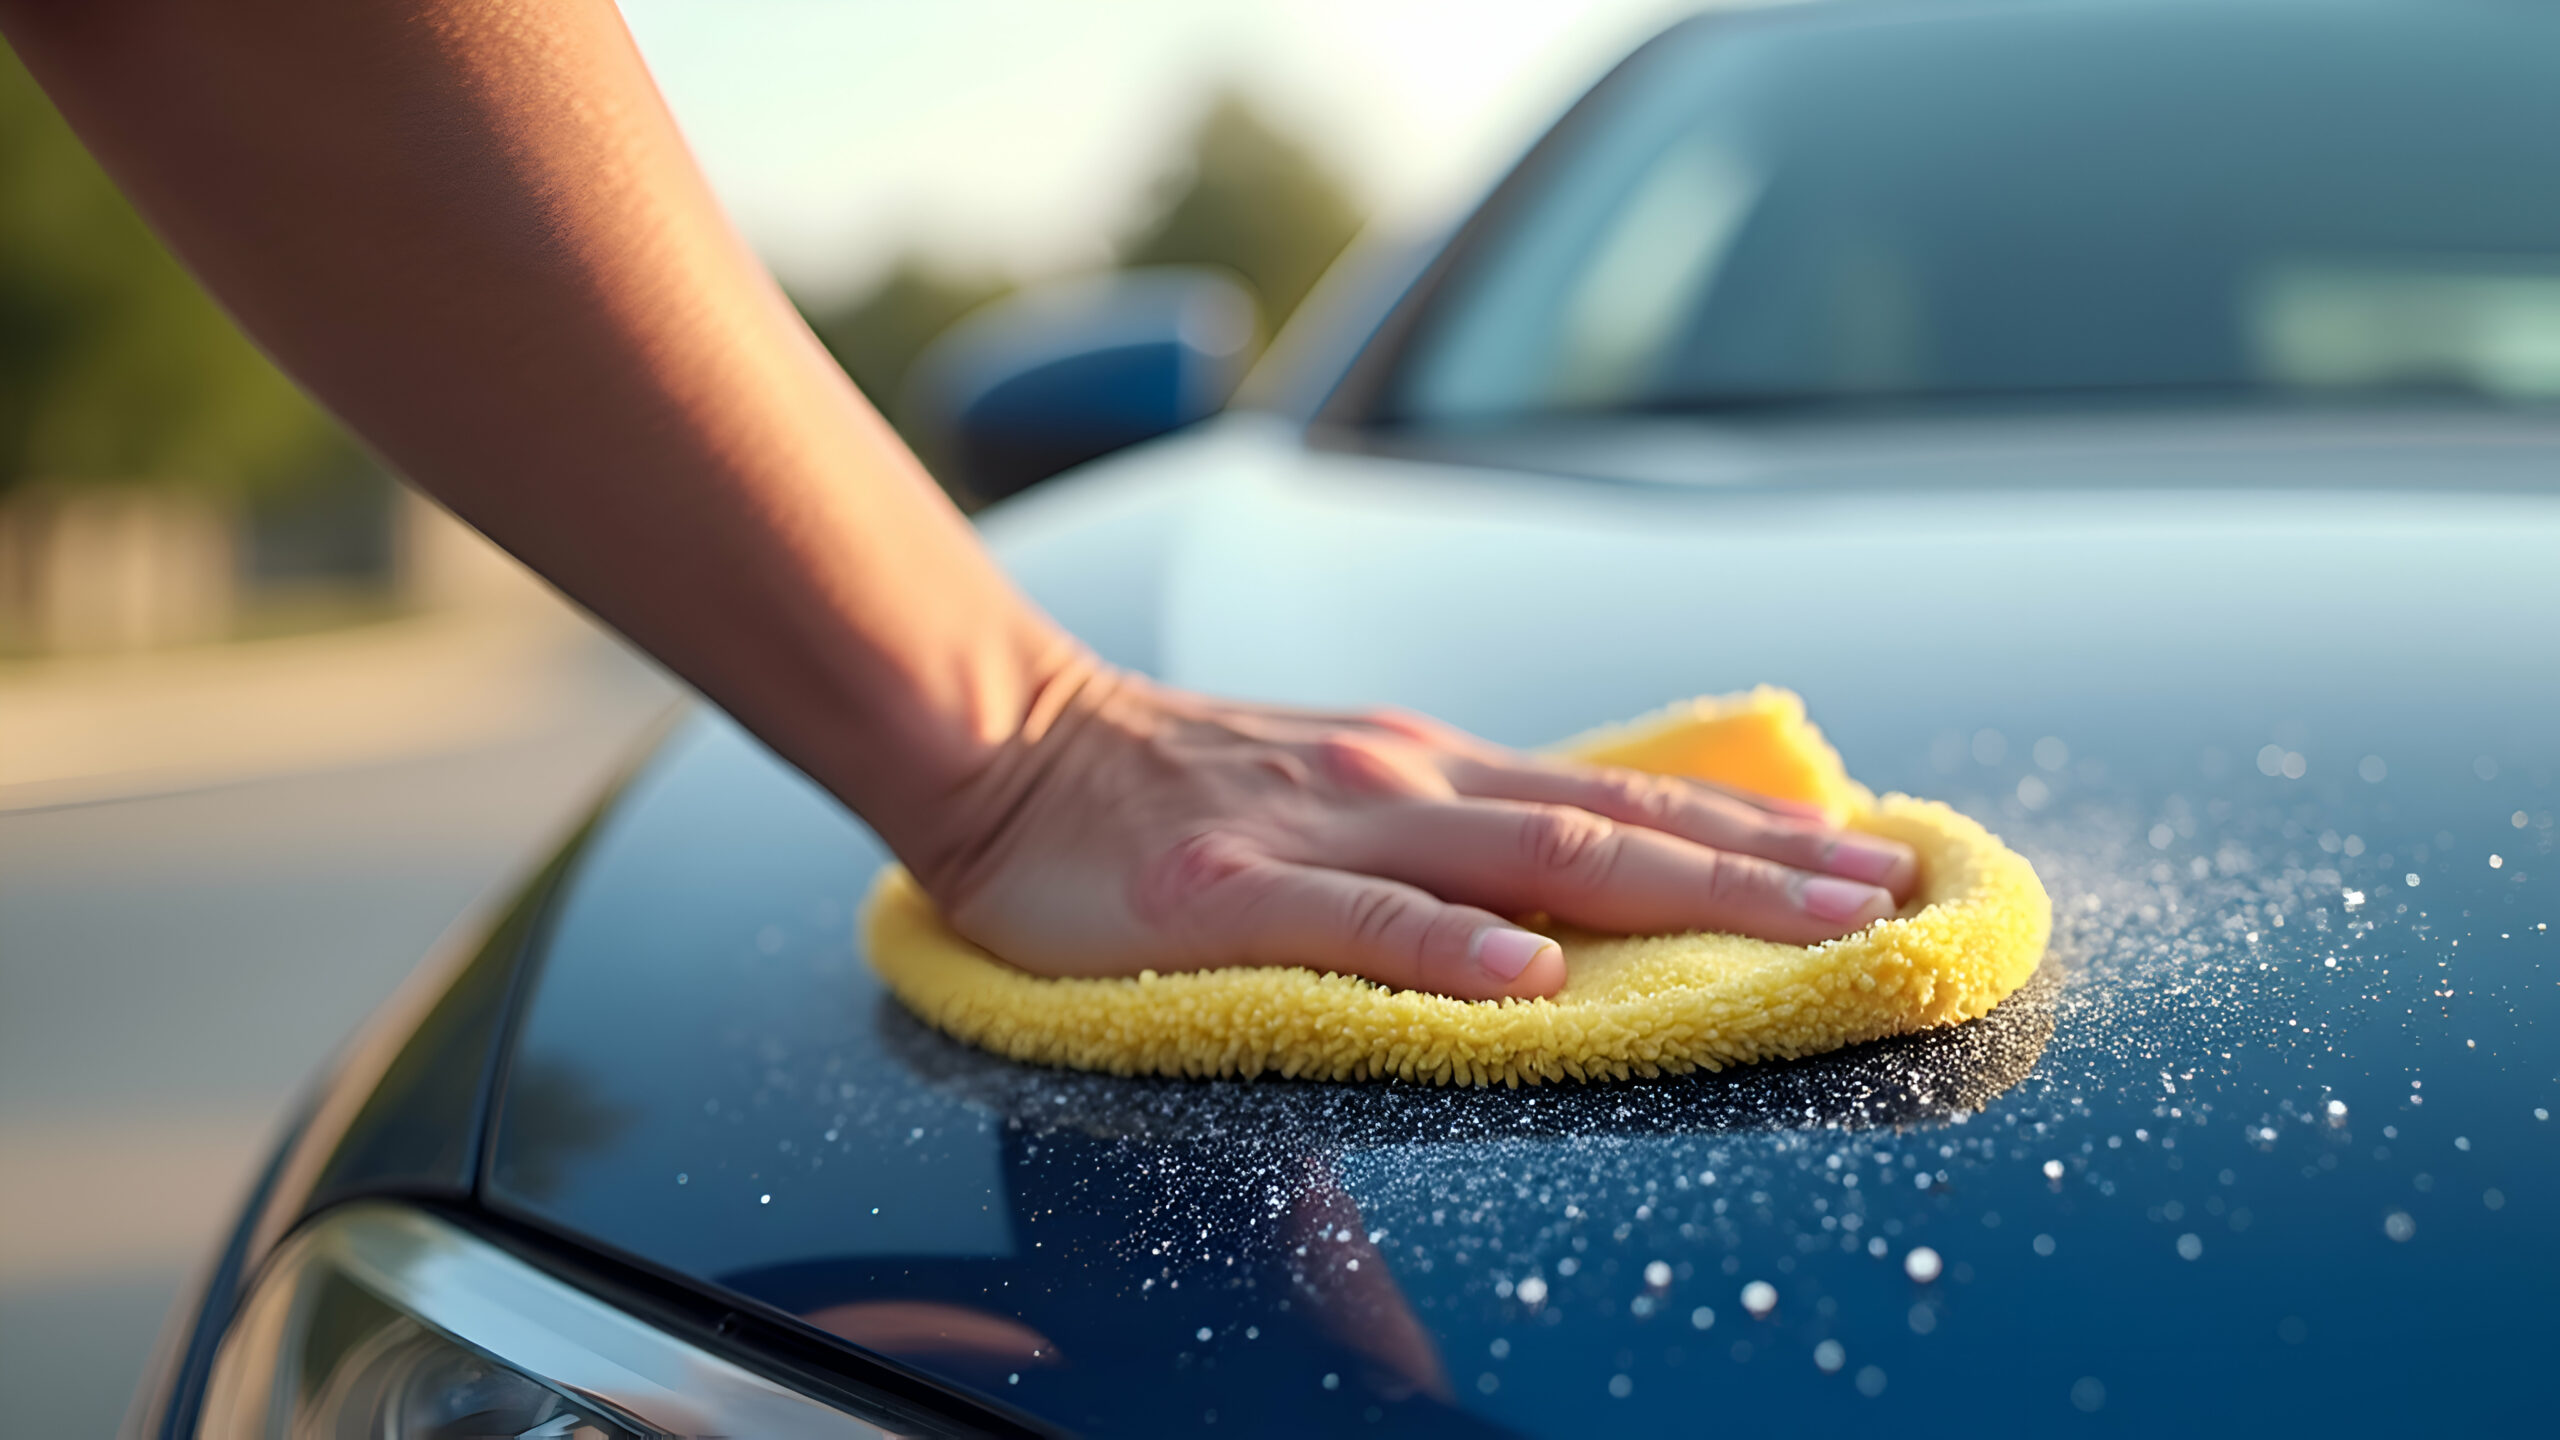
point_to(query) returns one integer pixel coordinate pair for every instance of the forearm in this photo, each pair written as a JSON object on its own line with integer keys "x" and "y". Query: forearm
{"x": 471, "y": 228}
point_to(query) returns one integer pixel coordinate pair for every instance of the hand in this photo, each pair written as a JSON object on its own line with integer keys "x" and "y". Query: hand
{"x": 1129, "y": 826}
{"x": 486, "y": 297}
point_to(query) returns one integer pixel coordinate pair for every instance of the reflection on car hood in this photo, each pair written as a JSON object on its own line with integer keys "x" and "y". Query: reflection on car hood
{"x": 2269, "y": 1142}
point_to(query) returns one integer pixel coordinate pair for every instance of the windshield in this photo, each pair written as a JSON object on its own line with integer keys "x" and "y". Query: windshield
{"x": 1921, "y": 204}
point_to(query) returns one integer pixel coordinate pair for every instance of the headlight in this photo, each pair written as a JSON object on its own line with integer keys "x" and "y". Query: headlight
{"x": 383, "y": 1323}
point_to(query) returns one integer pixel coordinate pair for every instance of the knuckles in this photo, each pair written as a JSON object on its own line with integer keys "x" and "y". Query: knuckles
{"x": 1567, "y": 844}
{"x": 1292, "y": 773}
{"x": 1650, "y": 800}
{"x": 1410, "y": 939}
{"x": 1743, "y": 879}
{"x": 1419, "y": 728}
{"x": 1190, "y": 872}
{"x": 1372, "y": 766}
{"x": 1378, "y": 916}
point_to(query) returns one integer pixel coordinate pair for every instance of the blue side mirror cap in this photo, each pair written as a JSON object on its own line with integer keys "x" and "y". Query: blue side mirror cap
{"x": 1059, "y": 374}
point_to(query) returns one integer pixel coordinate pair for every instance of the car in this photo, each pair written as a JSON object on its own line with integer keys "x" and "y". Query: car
{"x": 2132, "y": 422}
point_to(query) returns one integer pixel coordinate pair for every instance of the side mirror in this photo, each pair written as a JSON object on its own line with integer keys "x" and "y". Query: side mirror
{"x": 1057, "y": 374}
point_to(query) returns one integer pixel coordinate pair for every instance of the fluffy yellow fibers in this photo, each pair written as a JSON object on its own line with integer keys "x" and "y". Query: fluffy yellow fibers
{"x": 1631, "y": 1005}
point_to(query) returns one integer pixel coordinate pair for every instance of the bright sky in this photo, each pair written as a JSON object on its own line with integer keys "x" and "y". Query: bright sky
{"x": 1018, "y": 134}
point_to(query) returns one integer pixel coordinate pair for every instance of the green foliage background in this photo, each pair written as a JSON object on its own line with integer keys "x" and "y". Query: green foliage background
{"x": 114, "y": 366}
{"x": 1243, "y": 195}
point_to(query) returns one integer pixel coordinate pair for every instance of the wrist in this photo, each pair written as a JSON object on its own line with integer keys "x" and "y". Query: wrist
{"x": 933, "y": 747}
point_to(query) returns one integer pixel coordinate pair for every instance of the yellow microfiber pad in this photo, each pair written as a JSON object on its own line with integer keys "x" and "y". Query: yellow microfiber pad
{"x": 1631, "y": 1005}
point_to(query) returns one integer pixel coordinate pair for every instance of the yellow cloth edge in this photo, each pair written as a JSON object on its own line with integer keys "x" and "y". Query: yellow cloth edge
{"x": 1632, "y": 1005}
{"x": 1824, "y": 780}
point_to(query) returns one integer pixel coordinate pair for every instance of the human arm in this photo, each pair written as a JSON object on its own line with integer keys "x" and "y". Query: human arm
{"x": 471, "y": 228}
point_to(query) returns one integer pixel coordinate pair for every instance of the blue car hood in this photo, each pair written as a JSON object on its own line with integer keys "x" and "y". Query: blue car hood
{"x": 2268, "y": 1142}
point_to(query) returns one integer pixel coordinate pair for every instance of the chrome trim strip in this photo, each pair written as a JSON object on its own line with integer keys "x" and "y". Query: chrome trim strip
{"x": 525, "y": 1318}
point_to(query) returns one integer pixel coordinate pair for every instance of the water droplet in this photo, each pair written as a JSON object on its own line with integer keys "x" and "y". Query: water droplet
{"x": 764, "y": 1199}
{"x": 2044, "y": 1245}
{"x": 1202, "y": 1333}
{"x": 1658, "y": 1274}
{"x": 1532, "y": 1291}
{"x": 1828, "y": 1357}
{"x": 1922, "y": 1264}
{"x": 1871, "y": 1381}
{"x": 2190, "y": 1247}
{"x": 2485, "y": 768}
{"x": 1620, "y": 1387}
{"x": 683, "y": 1179}
{"x": 2052, "y": 754}
{"x": 2088, "y": 1395}
{"x": 2497, "y": 862}
{"x": 1759, "y": 1297}
{"x": 1702, "y": 1318}
{"x": 2372, "y": 769}
{"x": 1990, "y": 747}
{"x": 2053, "y": 1169}
{"x": 1923, "y": 1319}
{"x": 2398, "y": 1225}
{"x": 1332, "y": 1381}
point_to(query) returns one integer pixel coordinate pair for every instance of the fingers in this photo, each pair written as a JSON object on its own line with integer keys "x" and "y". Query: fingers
{"x": 1593, "y": 871}
{"x": 1772, "y": 804}
{"x": 1719, "y": 819}
{"x": 1238, "y": 907}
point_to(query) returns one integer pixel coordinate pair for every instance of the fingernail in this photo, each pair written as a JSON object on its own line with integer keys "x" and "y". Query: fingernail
{"x": 1504, "y": 954}
{"x": 1865, "y": 857}
{"x": 1843, "y": 902}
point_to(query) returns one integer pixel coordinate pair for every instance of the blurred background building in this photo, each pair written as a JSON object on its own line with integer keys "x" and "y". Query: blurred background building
{"x": 269, "y": 723}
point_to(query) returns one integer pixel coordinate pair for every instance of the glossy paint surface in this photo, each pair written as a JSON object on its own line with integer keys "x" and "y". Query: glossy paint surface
{"x": 2268, "y": 1142}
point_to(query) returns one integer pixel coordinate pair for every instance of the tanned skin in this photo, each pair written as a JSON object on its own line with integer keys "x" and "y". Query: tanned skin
{"x": 471, "y": 228}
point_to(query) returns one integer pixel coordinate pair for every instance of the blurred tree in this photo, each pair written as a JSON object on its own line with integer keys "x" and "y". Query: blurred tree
{"x": 1251, "y": 198}
{"x": 1242, "y": 195}
{"x": 114, "y": 365}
